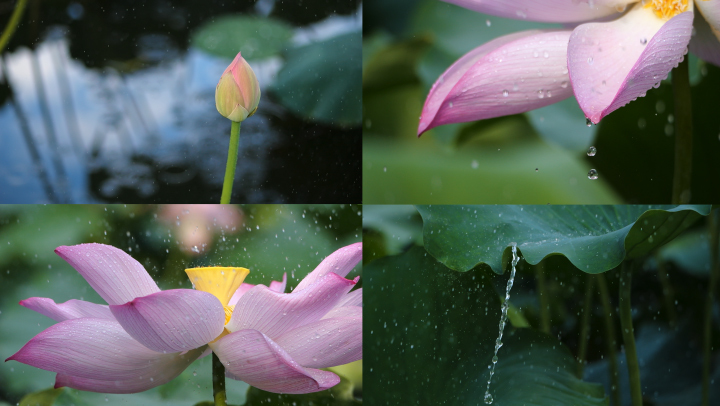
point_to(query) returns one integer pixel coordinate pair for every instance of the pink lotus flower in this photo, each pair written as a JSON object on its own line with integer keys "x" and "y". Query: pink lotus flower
{"x": 606, "y": 64}
{"x": 145, "y": 337}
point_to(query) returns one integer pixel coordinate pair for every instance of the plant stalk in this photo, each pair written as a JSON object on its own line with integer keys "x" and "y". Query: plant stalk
{"x": 218, "y": 378}
{"x": 542, "y": 298}
{"x": 628, "y": 333}
{"x": 585, "y": 324}
{"x": 12, "y": 24}
{"x": 609, "y": 339}
{"x": 707, "y": 334}
{"x": 668, "y": 292}
{"x": 231, "y": 163}
{"x": 682, "y": 178}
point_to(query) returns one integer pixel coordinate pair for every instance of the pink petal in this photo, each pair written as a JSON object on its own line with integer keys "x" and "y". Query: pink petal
{"x": 340, "y": 262}
{"x": 353, "y": 298}
{"x": 116, "y": 276}
{"x": 613, "y": 63}
{"x": 72, "y": 309}
{"x": 344, "y": 312}
{"x": 711, "y": 11}
{"x": 559, "y": 11}
{"x": 326, "y": 343}
{"x": 508, "y": 75}
{"x": 172, "y": 320}
{"x": 280, "y": 286}
{"x": 251, "y": 356}
{"x": 274, "y": 286}
{"x": 704, "y": 44}
{"x": 275, "y": 313}
{"x": 100, "y": 349}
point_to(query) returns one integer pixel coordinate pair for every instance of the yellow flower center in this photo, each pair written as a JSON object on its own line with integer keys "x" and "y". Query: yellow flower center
{"x": 666, "y": 9}
{"x": 221, "y": 282}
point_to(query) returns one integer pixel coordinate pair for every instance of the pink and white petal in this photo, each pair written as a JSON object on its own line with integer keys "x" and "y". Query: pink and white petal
{"x": 274, "y": 286}
{"x": 704, "y": 44}
{"x": 710, "y": 9}
{"x": 253, "y": 357}
{"x": 344, "y": 312}
{"x": 280, "y": 286}
{"x": 72, "y": 309}
{"x": 353, "y": 298}
{"x": 172, "y": 320}
{"x": 275, "y": 313}
{"x": 557, "y": 11}
{"x": 116, "y": 276}
{"x": 613, "y": 63}
{"x": 239, "y": 292}
{"x": 340, "y": 262}
{"x": 325, "y": 343}
{"x": 508, "y": 75}
{"x": 99, "y": 349}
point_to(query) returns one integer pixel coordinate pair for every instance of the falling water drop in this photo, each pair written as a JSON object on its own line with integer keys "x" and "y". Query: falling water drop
{"x": 592, "y": 151}
{"x": 643, "y": 41}
{"x": 593, "y": 174}
{"x": 503, "y": 319}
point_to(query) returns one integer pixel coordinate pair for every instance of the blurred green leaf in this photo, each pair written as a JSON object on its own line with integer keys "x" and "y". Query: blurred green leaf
{"x": 340, "y": 395}
{"x": 322, "y": 81}
{"x": 43, "y": 398}
{"x": 394, "y": 65}
{"x": 594, "y": 238}
{"x": 690, "y": 252}
{"x": 254, "y": 37}
{"x": 527, "y": 171}
{"x": 399, "y": 225}
{"x": 428, "y": 315}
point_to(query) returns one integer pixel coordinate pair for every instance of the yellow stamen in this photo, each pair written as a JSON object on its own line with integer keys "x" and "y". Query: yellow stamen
{"x": 228, "y": 312}
{"x": 222, "y": 282}
{"x": 666, "y": 9}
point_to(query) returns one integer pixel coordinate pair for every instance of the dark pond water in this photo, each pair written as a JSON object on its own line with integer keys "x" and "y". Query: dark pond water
{"x": 114, "y": 101}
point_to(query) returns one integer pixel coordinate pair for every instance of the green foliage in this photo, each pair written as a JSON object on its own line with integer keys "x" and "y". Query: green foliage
{"x": 254, "y": 37}
{"x": 433, "y": 333}
{"x": 321, "y": 80}
{"x": 594, "y": 238}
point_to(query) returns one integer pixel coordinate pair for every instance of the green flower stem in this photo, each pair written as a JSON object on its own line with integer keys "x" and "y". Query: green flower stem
{"x": 609, "y": 339}
{"x": 218, "y": 378}
{"x": 668, "y": 291}
{"x": 231, "y": 163}
{"x": 628, "y": 334}
{"x": 542, "y": 298}
{"x": 714, "y": 275}
{"x": 585, "y": 324}
{"x": 12, "y": 24}
{"x": 683, "y": 133}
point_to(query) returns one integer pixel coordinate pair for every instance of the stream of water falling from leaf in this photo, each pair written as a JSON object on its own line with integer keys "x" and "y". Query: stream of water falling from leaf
{"x": 503, "y": 320}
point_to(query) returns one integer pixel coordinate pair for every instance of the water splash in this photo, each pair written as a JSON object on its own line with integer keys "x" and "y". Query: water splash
{"x": 503, "y": 319}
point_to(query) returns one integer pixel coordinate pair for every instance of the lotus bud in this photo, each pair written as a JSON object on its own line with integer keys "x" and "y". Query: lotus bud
{"x": 238, "y": 93}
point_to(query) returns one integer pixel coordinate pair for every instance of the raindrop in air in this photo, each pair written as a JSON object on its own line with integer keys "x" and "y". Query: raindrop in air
{"x": 592, "y": 151}
{"x": 488, "y": 399}
{"x": 593, "y": 174}
{"x": 643, "y": 41}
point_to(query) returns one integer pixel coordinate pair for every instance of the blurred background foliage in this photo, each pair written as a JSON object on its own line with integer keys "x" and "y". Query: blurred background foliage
{"x": 270, "y": 240}
{"x": 533, "y": 158}
{"x": 113, "y": 101}
{"x": 669, "y": 293}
